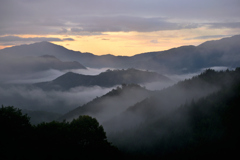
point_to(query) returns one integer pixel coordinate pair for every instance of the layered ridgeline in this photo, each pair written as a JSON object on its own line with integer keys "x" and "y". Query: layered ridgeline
{"x": 195, "y": 117}
{"x": 224, "y": 52}
{"x": 71, "y": 90}
{"x": 109, "y": 78}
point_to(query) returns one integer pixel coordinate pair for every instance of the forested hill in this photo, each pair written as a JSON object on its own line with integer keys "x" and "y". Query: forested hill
{"x": 109, "y": 78}
{"x": 111, "y": 104}
{"x": 183, "y": 122}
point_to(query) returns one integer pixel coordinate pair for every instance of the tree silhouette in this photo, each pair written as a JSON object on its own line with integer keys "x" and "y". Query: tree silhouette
{"x": 83, "y": 137}
{"x": 15, "y": 132}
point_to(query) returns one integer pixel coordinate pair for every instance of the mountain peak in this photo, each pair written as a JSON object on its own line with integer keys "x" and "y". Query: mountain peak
{"x": 44, "y": 42}
{"x": 68, "y": 75}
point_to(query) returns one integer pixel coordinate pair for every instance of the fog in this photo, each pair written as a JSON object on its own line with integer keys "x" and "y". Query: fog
{"x": 166, "y": 120}
{"x": 133, "y": 117}
{"x": 180, "y": 77}
{"x": 153, "y": 86}
{"x": 26, "y": 97}
{"x": 158, "y": 104}
{"x": 43, "y": 76}
{"x": 17, "y": 91}
{"x": 112, "y": 104}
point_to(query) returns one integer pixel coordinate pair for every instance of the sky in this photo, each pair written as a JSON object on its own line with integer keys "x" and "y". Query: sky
{"x": 118, "y": 27}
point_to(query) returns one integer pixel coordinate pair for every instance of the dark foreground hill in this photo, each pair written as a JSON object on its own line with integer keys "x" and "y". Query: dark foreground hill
{"x": 109, "y": 78}
{"x": 82, "y": 138}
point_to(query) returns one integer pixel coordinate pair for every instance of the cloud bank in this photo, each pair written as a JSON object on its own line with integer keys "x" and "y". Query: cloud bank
{"x": 6, "y": 40}
{"x": 60, "y": 16}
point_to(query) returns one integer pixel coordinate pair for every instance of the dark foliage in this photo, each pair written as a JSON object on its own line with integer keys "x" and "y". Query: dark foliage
{"x": 15, "y": 132}
{"x": 81, "y": 138}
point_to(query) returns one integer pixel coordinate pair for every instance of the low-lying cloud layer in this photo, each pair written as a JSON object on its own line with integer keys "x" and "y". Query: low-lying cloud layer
{"x": 19, "y": 93}
{"x": 25, "y": 97}
{"x": 43, "y": 76}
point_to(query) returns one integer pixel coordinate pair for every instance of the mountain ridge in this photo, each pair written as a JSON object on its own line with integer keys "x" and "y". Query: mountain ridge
{"x": 109, "y": 78}
{"x": 225, "y": 52}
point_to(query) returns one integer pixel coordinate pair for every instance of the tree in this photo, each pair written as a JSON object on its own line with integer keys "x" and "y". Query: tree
{"x": 15, "y": 132}
{"x": 13, "y": 124}
{"x": 86, "y": 131}
{"x": 81, "y": 137}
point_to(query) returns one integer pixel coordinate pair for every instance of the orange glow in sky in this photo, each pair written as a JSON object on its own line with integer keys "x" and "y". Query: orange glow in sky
{"x": 132, "y": 43}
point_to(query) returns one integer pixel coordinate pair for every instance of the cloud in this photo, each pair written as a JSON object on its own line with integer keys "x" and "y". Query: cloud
{"x": 63, "y": 31}
{"x": 91, "y": 71}
{"x": 208, "y": 37}
{"x": 42, "y": 76}
{"x": 26, "y": 97}
{"x": 27, "y": 78}
{"x": 128, "y": 23}
{"x": 76, "y": 29}
{"x": 225, "y": 25}
{"x": 154, "y": 41}
{"x": 35, "y": 39}
{"x": 158, "y": 85}
{"x": 77, "y": 17}
{"x": 67, "y": 39}
{"x": 8, "y": 40}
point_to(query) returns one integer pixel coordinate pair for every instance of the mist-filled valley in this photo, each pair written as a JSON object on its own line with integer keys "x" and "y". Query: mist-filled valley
{"x": 178, "y": 103}
{"x": 191, "y": 118}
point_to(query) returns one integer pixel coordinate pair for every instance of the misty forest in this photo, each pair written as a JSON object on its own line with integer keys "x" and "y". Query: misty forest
{"x": 181, "y": 103}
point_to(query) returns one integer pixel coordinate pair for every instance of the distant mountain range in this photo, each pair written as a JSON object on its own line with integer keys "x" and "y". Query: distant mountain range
{"x": 224, "y": 52}
{"x": 12, "y": 64}
{"x": 109, "y": 78}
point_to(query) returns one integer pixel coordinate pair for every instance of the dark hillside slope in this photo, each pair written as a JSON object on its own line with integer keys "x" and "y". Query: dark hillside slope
{"x": 111, "y": 104}
{"x": 169, "y": 124}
